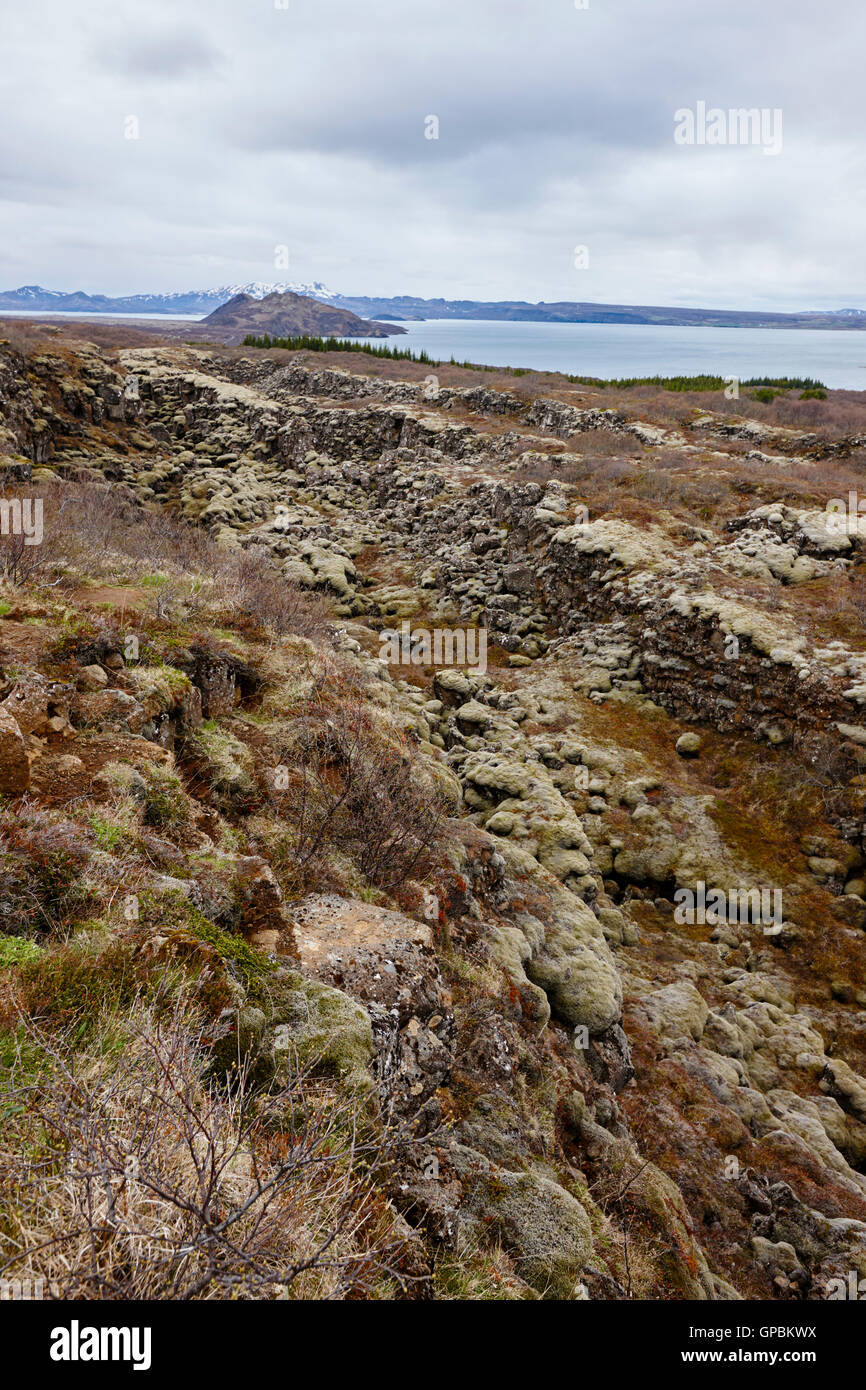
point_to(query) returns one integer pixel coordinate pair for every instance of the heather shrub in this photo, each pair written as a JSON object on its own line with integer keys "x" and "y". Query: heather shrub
{"x": 43, "y": 862}
{"x": 350, "y": 789}
{"x": 101, "y": 531}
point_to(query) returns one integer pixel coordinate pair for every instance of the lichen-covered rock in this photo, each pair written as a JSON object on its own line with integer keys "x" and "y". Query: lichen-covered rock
{"x": 318, "y": 1028}
{"x": 91, "y": 678}
{"x": 576, "y": 972}
{"x": 38, "y": 705}
{"x": 542, "y": 1224}
{"x": 108, "y": 709}
{"x": 677, "y": 1010}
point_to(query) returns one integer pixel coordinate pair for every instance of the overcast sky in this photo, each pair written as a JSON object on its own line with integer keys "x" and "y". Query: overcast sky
{"x": 262, "y": 127}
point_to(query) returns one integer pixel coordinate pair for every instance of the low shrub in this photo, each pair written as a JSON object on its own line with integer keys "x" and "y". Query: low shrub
{"x": 351, "y": 790}
{"x": 43, "y": 862}
{"x": 126, "y": 1174}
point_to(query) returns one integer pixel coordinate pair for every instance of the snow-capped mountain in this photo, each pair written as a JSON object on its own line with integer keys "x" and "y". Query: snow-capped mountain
{"x": 258, "y": 289}
{"x": 199, "y": 302}
{"x": 836, "y": 313}
{"x": 36, "y": 292}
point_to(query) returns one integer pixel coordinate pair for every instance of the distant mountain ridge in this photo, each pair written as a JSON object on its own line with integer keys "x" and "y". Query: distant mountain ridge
{"x": 412, "y": 308}
{"x": 38, "y": 299}
{"x": 408, "y": 307}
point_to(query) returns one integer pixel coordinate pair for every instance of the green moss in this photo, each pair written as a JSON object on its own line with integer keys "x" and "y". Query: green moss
{"x": 108, "y": 836}
{"x": 76, "y": 983}
{"x": 158, "y": 687}
{"x": 229, "y": 761}
{"x": 165, "y": 802}
{"x": 17, "y": 950}
{"x": 251, "y": 965}
{"x": 172, "y": 912}
{"x": 21, "y": 1057}
{"x": 318, "y": 1026}
{"x": 477, "y": 1277}
{"x": 71, "y": 985}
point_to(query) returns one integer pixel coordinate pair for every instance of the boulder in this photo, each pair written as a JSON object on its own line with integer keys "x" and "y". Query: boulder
{"x": 319, "y": 1028}
{"x": 546, "y": 1230}
{"x": 689, "y": 745}
{"x": 109, "y": 710}
{"x": 38, "y": 705}
{"x": 91, "y": 678}
{"x": 677, "y": 1010}
{"x": 473, "y": 714}
{"x": 261, "y": 901}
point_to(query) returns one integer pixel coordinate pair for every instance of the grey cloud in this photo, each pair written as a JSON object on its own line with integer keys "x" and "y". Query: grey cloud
{"x": 305, "y": 127}
{"x": 182, "y": 53}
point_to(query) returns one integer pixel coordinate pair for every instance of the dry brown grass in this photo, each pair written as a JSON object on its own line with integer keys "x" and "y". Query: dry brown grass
{"x": 126, "y": 1173}
{"x": 100, "y": 532}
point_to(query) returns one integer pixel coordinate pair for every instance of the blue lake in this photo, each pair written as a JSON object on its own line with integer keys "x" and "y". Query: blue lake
{"x": 616, "y": 350}
{"x": 622, "y": 350}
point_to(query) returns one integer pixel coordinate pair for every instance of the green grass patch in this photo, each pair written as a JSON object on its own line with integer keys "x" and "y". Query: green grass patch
{"x": 18, "y": 950}
{"x": 71, "y": 985}
{"x": 173, "y": 911}
{"x": 109, "y": 837}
